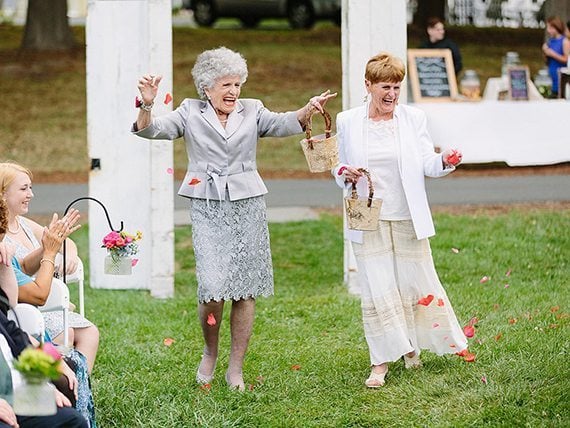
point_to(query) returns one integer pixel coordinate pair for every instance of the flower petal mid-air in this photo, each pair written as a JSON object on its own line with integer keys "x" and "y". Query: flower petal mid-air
{"x": 211, "y": 319}
{"x": 167, "y": 98}
{"x": 194, "y": 181}
{"x": 425, "y": 301}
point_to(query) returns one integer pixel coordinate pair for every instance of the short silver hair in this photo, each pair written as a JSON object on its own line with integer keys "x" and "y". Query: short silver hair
{"x": 214, "y": 64}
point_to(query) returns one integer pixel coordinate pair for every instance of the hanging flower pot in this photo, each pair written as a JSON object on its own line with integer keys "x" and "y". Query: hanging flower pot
{"x": 120, "y": 246}
{"x": 118, "y": 265}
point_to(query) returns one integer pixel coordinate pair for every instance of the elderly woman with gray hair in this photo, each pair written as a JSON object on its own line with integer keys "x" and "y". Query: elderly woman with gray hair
{"x": 227, "y": 206}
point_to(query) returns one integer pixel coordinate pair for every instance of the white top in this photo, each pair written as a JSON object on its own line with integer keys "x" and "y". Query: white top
{"x": 16, "y": 375}
{"x": 385, "y": 172}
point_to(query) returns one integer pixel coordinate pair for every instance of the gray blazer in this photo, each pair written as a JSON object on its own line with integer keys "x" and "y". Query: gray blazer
{"x": 218, "y": 158}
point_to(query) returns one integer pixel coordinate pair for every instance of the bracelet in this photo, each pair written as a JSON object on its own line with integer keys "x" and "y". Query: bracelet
{"x": 48, "y": 260}
{"x": 139, "y": 103}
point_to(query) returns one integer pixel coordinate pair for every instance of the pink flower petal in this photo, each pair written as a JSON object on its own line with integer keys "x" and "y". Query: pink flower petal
{"x": 211, "y": 319}
{"x": 508, "y": 273}
{"x": 134, "y": 262}
{"x": 507, "y": 285}
{"x": 168, "y": 341}
{"x": 469, "y": 331}
{"x": 167, "y": 98}
{"x": 435, "y": 325}
{"x": 295, "y": 367}
{"x": 194, "y": 181}
{"x": 484, "y": 379}
{"x": 169, "y": 171}
{"x": 484, "y": 279}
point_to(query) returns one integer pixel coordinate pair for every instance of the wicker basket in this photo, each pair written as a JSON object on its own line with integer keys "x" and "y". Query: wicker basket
{"x": 320, "y": 151}
{"x": 362, "y": 214}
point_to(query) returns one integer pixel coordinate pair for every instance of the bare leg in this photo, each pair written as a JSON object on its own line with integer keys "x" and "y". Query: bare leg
{"x": 86, "y": 341}
{"x": 241, "y": 320}
{"x": 211, "y": 336}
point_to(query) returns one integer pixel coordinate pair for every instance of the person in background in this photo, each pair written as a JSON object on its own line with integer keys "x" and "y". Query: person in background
{"x": 436, "y": 40}
{"x": 226, "y": 194}
{"x": 404, "y": 306}
{"x": 26, "y": 237}
{"x": 556, "y": 50}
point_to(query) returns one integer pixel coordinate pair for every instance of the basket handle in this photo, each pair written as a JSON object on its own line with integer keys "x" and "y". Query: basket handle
{"x": 308, "y": 127}
{"x": 354, "y": 194}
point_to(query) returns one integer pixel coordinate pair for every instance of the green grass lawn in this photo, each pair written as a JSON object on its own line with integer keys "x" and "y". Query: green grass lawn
{"x": 44, "y": 115}
{"x": 520, "y": 378}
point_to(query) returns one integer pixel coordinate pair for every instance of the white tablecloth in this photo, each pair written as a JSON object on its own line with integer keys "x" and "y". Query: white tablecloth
{"x": 516, "y": 132}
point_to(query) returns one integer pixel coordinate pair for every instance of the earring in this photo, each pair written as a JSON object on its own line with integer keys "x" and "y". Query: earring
{"x": 365, "y": 98}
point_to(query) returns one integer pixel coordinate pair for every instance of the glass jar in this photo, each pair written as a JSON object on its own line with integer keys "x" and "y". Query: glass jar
{"x": 118, "y": 265}
{"x": 543, "y": 83}
{"x": 510, "y": 59}
{"x": 34, "y": 397}
{"x": 470, "y": 85}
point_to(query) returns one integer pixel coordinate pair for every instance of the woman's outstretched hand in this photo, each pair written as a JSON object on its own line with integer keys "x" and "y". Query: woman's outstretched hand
{"x": 319, "y": 101}
{"x": 148, "y": 87}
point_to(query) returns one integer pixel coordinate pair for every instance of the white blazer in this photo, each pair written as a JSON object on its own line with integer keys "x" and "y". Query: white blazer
{"x": 416, "y": 159}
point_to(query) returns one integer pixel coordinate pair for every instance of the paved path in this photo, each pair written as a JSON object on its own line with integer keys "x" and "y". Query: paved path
{"x": 290, "y": 200}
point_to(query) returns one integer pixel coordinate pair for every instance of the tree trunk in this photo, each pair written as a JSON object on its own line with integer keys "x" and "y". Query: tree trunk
{"x": 47, "y": 26}
{"x": 427, "y": 9}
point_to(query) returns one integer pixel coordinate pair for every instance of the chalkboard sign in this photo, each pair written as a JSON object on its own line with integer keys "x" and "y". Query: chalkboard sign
{"x": 518, "y": 82}
{"x": 432, "y": 75}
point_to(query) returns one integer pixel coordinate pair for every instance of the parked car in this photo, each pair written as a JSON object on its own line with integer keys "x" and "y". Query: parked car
{"x": 300, "y": 13}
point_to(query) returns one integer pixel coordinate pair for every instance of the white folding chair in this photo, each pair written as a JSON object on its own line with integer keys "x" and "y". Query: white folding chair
{"x": 58, "y": 300}
{"x": 29, "y": 318}
{"x": 79, "y": 277}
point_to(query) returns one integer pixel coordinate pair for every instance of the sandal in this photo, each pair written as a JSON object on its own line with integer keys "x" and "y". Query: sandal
{"x": 413, "y": 362}
{"x": 376, "y": 380}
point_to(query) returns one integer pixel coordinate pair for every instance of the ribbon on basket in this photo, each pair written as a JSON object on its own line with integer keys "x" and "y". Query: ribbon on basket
{"x": 363, "y": 213}
{"x": 321, "y": 151}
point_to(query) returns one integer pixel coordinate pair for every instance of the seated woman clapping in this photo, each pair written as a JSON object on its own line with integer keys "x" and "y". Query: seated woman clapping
{"x": 27, "y": 237}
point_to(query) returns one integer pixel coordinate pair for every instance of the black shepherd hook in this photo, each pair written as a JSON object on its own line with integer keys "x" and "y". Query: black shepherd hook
{"x": 106, "y": 215}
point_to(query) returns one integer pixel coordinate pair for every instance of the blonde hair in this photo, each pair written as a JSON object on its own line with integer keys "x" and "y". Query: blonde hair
{"x": 8, "y": 171}
{"x": 385, "y": 67}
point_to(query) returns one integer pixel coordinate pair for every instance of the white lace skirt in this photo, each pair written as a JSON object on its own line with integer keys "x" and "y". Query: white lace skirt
{"x": 404, "y": 306}
{"x": 231, "y": 246}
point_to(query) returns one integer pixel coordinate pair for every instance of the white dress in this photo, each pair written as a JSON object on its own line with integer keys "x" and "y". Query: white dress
{"x": 404, "y": 305}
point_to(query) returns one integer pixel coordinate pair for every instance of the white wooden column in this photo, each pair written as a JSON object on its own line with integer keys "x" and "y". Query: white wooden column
{"x": 368, "y": 27}
{"x": 126, "y": 39}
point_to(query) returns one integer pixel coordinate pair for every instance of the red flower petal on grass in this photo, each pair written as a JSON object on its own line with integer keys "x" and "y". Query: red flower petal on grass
{"x": 194, "y": 181}
{"x": 134, "y": 262}
{"x": 512, "y": 320}
{"x": 498, "y": 337}
{"x": 469, "y": 331}
{"x": 167, "y": 98}
{"x": 507, "y": 285}
{"x": 508, "y": 273}
{"x": 250, "y": 387}
{"x": 440, "y": 302}
{"x": 426, "y": 300}
{"x": 484, "y": 279}
{"x": 462, "y": 353}
{"x": 295, "y": 367}
{"x": 484, "y": 379}
{"x": 259, "y": 379}
{"x": 555, "y": 309}
{"x": 211, "y": 319}
{"x": 169, "y": 171}
{"x": 470, "y": 358}
{"x": 473, "y": 321}
{"x": 206, "y": 387}
{"x": 168, "y": 341}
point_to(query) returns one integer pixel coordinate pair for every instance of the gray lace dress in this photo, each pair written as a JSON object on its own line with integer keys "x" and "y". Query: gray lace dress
{"x": 231, "y": 246}
{"x": 53, "y": 320}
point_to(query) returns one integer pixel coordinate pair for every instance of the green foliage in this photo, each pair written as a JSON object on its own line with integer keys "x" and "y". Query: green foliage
{"x": 34, "y": 363}
{"x": 520, "y": 377}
